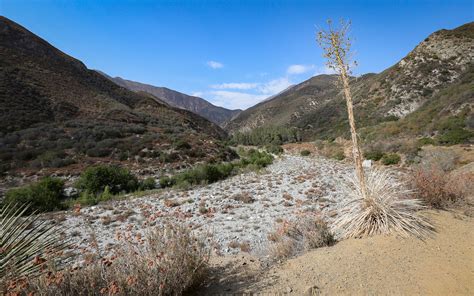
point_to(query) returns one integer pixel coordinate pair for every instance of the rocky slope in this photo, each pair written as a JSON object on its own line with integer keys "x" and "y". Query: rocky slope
{"x": 442, "y": 61}
{"x": 57, "y": 113}
{"x": 176, "y": 99}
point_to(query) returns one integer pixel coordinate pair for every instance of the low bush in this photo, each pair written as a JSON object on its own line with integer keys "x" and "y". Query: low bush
{"x": 305, "y": 152}
{"x": 147, "y": 184}
{"x": 445, "y": 160}
{"x": 95, "y": 179}
{"x": 166, "y": 181}
{"x": 258, "y": 158}
{"x": 331, "y": 149}
{"x": 338, "y": 155}
{"x": 267, "y": 135}
{"x": 203, "y": 174}
{"x": 438, "y": 188}
{"x": 374, "y": 155}
{"x": 426, "y": 141}
{"x": 168, "y": 261}
{"x": 210, "y": 173}
{"x": 87, "y": 198}
{"x": 455, "y": 136}
{"x": 390, "y": 158}
{"x": 244, "y": 197}
{"x": 182, "y": 145}
{"x": 293, "y": 237}
{"x": 274, "y": 149}
{"x": 45, "y": 195}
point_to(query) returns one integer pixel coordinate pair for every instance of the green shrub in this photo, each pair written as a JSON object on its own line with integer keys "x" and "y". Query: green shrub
{"x": 426, "y": 141}
{"x": 305, "y": 153}
{"x": 95, "y": 179}
{"x": 455, "y": 136}
{"x": 390, "y": 158}
{"x": 267, "y": 135}
{"x": 182, "y": 145}
{"x": 275, "y": 149}
{"x": 42, "y": 196}
{"x": 148, "y": 184}
{"x": 210, "y": 173}
{"x": 338, "y": 155}
{"x": 166, "y": 181}
{"x": 374, "y": 155}
{"x": 259, "y": 158}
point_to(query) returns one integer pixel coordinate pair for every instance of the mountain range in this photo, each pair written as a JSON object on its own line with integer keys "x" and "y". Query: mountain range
{"x": 177, "y": 99}
{"x": 55, "y": 113}
{"x": 419, "y": 95}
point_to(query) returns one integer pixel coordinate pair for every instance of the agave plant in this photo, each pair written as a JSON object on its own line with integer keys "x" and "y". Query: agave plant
{"x": 24, "y": 242}
{"x": 387, "y": 208}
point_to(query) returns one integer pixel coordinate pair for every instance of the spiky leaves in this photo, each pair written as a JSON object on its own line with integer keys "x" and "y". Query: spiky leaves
{"x": 25, "y": 242}
{"x": 387, "y": 208}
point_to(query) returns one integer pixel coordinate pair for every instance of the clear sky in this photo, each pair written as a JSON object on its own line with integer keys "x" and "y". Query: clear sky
{"x": 232, "y": 53}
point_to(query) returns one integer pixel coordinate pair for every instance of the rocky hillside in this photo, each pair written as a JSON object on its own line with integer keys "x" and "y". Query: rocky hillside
{"x": 57, "y": 113}
{"x": 435, "y": 76}
{"x": 176, "y": 99}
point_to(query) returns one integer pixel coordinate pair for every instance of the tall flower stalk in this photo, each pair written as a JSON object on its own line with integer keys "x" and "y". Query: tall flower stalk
{"x": 337, "y": 50}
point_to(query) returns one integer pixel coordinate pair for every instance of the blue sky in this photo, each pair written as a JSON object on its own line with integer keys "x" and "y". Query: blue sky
{"x": 232, "y": 53}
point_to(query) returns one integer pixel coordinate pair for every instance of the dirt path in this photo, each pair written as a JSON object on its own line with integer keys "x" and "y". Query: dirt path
{"x": 381, "y": 265}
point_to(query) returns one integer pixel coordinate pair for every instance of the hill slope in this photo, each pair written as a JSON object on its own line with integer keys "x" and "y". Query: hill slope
{"x": 442, "y": 62}
{"x": 176, "y": 99}
{"x": 55, "y": 112}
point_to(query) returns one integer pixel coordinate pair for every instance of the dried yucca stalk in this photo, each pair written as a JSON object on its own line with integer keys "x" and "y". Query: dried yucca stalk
{"x": 387, "y": 208}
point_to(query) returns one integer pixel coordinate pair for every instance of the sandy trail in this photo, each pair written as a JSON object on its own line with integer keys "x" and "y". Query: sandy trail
{"x": 380, "y": 265}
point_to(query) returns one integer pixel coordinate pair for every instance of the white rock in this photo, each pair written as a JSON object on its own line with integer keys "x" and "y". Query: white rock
{"x": 367, "y": 163}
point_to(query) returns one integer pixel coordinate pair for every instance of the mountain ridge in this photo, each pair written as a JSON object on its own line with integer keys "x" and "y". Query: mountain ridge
{"x": 197, "y": 105}
{"x": 57, "y": 113}
{"x": 317, "y": 107}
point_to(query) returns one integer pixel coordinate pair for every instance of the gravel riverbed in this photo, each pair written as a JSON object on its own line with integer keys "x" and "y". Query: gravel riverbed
{"x": 243, "y": 209}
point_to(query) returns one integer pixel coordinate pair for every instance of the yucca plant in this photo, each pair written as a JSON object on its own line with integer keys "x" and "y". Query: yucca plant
{"x": 387, "y": 208}
{"x": 25, "y": 242}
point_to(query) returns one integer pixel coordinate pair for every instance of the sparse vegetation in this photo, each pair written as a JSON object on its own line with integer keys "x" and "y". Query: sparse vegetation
{"x": 330, "y": 149}
{"x": 147, "y": 184}
{"x": 210, "y": 173}
{"x": 374, "y": 155}
{"x": 390, "y": 158}
{"x": 169, "y": 261}
{"x": 305, "y": 153}
{"x": 274, "y": 149}
{"x": 244, "y": 197}
{"x": 267, "y": 135}
{"x": 45, "y": 195}
{"x": 293, "y": 237}
{"x": 436, "y": 184}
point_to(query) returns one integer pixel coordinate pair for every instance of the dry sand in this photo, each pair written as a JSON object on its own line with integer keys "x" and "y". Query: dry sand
{"x": 380, "y": 265}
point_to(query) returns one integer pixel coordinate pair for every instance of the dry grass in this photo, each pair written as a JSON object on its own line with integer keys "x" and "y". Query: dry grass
{"x": 167, "y": 262}
{"x": 439, "y": 189}
{"x": 293, "y": 237}
{"x": 244, "y": 197}
{"x": 171, "y": 203}
{"x": 388, "y": 208}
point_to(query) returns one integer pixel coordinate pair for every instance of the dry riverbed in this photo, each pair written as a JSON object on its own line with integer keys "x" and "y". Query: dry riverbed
{"x": 237, "y": 214}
